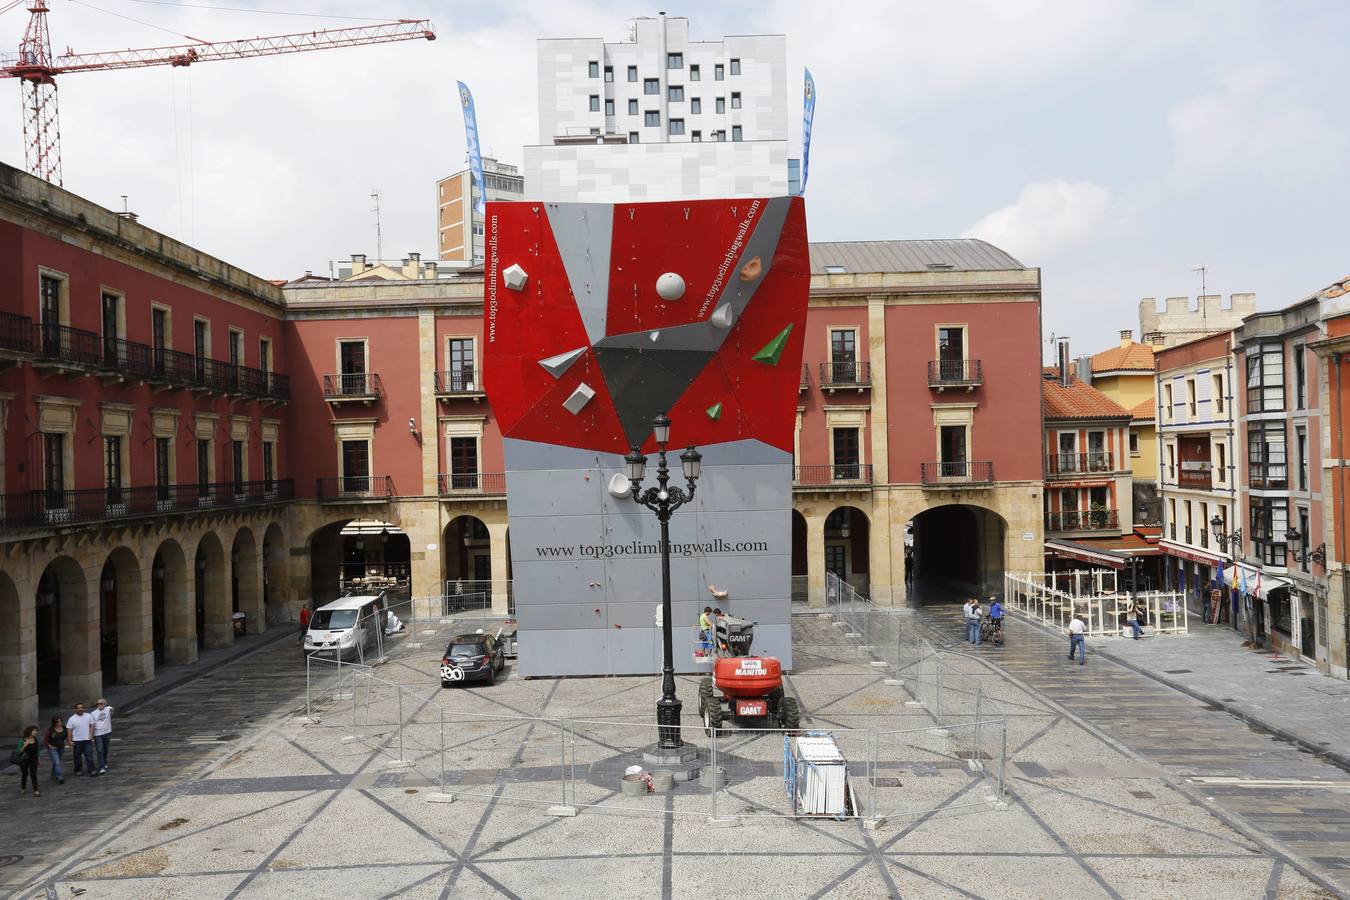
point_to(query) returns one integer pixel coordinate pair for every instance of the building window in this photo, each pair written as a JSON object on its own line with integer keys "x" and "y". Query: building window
{"x": 951, "y": 348}
{"x": 609, "y": 73}
{"x": 720, "y": 105}
{"x": 355, "y": 466}
{"x": 237, "y": 466}
{"x": 675, "y": 93}
{"x": 651, "y": 86}
{"x": 593, "y": 69}
{"x": 843, "y": 355}
{"x": 695, "y": 106}
{"x": 1269, "y": 522}
{"x": 463, "y": 463}
{"x": 1216, "y": 389}
{"x": 1134, "y": 443}
{"x": 735, "y": 67}
{"x": 694, "y": 74}
{"x": 203, "y": 467}
{"x": 952, "y": 446}
{"x": 674, "y": 60}
{"x": 111, "y": 332}
{"x": 463, "y": 377}
{"x": 652, "y": 118}
{"x": 1172, "y": 518}
{"x": 696, "y": 137}
{"x": 1172, "y": 461}
{"x": 159, "y": 336}
{"x": 1222, "y": 461}
{"x": 676, "y": 126}
{"x": 609, "y": 107}
{"x": 236, "y": 355}
{"x": 719, "y": 72}
{"x": 112, "y": 468}
{"x": 1190, "y": 397}
{"x": 735, "y": 132}
{"x": 49, "y": 298}
{"x": 633, "y": 137}
{"x": 201, "y": 346}
{"x": 163, "y": 467}
{"x": 352, "y": 363}
{"x": 595, "y": 102}
{"x": 1167, "y": 401}
{"x": 632, "y": 107}
{"x": 1301, "y": 447}
{"x": 1267, "y": 464}
{"x": 54, "y": 469}
{"x": 1265, "y": 378}
{"x": 846, "y": 459}
{"x": 735, "y": 99}
{"x": 265, "y": 354}
{"x": 632, "y": 74}
{"x": 1300, "y": 380}
{"x": 719, "y": 136}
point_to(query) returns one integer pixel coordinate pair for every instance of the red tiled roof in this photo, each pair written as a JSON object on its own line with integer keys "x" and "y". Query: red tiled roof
{"x": 1133, "y": 357}
{"x": 1146, "y": 411}
{"x": 1078, "y": 400}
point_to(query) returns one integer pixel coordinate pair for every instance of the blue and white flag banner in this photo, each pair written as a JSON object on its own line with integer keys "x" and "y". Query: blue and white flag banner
{"x": 808, "y": 113}
{"x": 471, "y": 142}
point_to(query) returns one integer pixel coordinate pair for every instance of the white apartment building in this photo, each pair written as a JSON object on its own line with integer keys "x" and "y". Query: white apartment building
{"x": 459, "y": 229}
{"x": 1197, "y": 472}
{"x": 660, "y": 117}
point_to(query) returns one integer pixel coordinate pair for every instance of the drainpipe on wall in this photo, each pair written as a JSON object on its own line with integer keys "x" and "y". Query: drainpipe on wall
{"x": 1340, "y": 501}
{"x": 1233, "y": 448}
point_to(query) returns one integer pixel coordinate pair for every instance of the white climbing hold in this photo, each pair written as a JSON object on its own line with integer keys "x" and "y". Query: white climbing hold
{"x": 514, "y": 278}
{"x": 723, "y": 316}
{"x": 619, "y": 485}
{"x": 557, "y": 365}
{"x": 580, "y": 397}
{"x": 655, "y": 336}
{"x": 670, "y": 286}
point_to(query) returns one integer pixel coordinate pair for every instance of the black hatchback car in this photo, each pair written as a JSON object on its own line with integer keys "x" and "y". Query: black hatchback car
{"x": 472, "y": 657}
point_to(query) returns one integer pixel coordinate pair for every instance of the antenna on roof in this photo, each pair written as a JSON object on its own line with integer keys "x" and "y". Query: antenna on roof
{"x": 1203, "y": 270}
{"x": 379, "y": 235}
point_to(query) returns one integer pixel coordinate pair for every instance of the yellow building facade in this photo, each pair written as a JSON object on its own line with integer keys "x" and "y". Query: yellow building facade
{"x": 1125, "y": 373}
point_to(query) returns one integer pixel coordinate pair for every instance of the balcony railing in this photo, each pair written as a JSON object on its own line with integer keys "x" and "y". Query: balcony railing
{"x": 361, "y": 386}
{"x": 839, "y": 474}
{"x": 1078, "y": 463}
{"x": 835, "y": 375}
{"x": 1267, "y": 477}
{"x": 459, "y": 382}
{"x": 806, "y": 378}
{"x": 471, "y": 484}
{"x": 37, "y": 509}
{"x": 1082, "y": 520}
{"x": 942, "y": 473}
{"x": 16, "y": 333}
{"x": 355, "y": 487}
{"x": 951, "y": 373}
{"x": 1195, "y": 474}
{"x": 68, "y": 346}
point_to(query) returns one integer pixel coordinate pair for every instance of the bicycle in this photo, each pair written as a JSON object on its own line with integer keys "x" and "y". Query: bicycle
{"x": 991, "y": 631}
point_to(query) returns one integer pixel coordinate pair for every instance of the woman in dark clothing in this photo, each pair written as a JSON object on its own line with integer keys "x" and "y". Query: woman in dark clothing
{"x": 28, "y": 750}
{"x": 55, "y": 743}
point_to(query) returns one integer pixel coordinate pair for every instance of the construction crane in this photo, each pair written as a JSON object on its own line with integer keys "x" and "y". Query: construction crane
{"x": 35, "y": 66}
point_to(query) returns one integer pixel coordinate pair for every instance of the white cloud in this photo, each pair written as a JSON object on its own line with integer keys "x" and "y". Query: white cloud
{"x": 1048, "y": 215}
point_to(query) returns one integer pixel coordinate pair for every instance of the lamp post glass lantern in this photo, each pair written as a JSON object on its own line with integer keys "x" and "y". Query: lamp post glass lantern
{"x": 664, "y": 499}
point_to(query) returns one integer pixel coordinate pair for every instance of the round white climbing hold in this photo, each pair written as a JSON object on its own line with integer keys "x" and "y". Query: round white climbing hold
{"x": 670, "y": 286}
{"x": 619, "y": 485}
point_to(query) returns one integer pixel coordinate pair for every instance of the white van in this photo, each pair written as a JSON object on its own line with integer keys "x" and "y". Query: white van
{"x": 347, "y": 627}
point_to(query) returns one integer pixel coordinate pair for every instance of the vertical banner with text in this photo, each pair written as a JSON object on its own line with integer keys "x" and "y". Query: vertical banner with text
{"x": 808, "y": 114}
{"x": 471, "y": 142}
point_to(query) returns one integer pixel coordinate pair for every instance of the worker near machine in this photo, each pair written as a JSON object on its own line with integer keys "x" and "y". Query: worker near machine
{"x": 705, "y": 635}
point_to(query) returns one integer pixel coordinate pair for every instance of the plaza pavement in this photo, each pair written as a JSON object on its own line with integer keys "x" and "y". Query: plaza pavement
{"x": 222, "y": 787}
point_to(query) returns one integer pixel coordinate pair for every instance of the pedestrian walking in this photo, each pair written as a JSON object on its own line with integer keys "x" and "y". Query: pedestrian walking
{"x": 102, "y": 733}
{"x": 26, "y": 755}
{"x": 81, "y": 729}
{"x": 55, "y": 743}
{"x": 1078, "y": 639}
{"x": 304, "y": 624}
{"x": 1136, "y": 618}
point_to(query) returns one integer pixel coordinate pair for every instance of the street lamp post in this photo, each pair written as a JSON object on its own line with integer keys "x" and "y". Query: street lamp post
{"x": 663, "y": 500}
{"x": 1231, "y": 543}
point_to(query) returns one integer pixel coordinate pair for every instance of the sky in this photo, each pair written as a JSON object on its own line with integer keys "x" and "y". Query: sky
{"x": 1115, "y": 145}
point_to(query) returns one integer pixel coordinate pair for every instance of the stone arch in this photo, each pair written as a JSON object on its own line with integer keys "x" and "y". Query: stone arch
{"x": 276, "y": 603}
{"x": 126, "y": 639}
{"x": 172, "y": 608}
{"x": 958, "y": 550}
{"x": 246, "y": 579}
{"x": 847, "y": 540}
{"x": 67, "y": 632}
{"x": 18, "y": 681}
{"x": 345, "y": 552}
{"x": 466, "y": 553}
{"x": 800, "y": 552}
{"x": 211, "y": 584}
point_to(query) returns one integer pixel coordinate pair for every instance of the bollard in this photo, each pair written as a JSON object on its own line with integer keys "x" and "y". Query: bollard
{"x": 308, "y": 713}
{"x": 442, "y": 749}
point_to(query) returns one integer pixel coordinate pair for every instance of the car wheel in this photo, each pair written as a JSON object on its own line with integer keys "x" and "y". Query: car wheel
{"x": 492, "y": 676}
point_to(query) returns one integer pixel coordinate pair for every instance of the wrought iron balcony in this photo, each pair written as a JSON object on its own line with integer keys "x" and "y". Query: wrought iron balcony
{"x": 459, "y": 383}
{"x": 63, "y": 347}
{"x": 1079, "y": 463}
{"x": 352, "y": 387}
{"x": 1196, "y": 474}
{"x": 471, "y": 484}
{"x": 806, "y": 378}
{"x": 16, "y": 335}
{"x": 44, "y": 508}
{"x": 839, "y": 475}
{"x": 1082, "y": 520}
{"x": 837, "y": 375}
{"x": 355, "y": 487}
{"x": 942, "y": 474}
{"x": 955, "y": 373}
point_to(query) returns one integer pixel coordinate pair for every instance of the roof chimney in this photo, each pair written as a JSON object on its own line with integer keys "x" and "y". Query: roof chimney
{"x": 1084, "y": 364}
{"x": 1126, "y": 337}
{"x": 1064, "y": 362}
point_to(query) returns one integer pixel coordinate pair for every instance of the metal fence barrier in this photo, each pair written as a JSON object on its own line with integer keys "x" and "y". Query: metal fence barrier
{"x": 1052, "y": 598}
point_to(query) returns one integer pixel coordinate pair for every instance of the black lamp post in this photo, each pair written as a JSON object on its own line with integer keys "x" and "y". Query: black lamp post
{"x": 1234, "y": 537}
{"x": 1318, "y": 555}
{"x": 664, "y": 500}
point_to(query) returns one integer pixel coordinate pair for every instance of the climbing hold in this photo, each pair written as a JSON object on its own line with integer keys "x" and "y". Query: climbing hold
{"x": 580, "y": 397}
{"x": 773, "y": 351}
{"x": 514, "y": 277}
{"x": 715, "y": 411}
{"x": 557, "y": 365}
{"x": 619, "y": 485}
{"x": 723, "y": 316}
{"x": 670, "y": 286}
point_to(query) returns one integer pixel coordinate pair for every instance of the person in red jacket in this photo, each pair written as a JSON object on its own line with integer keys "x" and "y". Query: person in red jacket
{"x": 304, "y": 625}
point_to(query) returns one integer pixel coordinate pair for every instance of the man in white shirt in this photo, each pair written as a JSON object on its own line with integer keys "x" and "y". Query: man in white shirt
{"x": 1078, "y": 639}
{"x": 102, "y": 717}
{"x": 81, "y": 728}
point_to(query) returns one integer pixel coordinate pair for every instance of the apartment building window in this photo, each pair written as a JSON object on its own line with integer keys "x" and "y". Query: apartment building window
{"x": 1306, "y": 535}
{"x": 593, "y": 69}
{"x": 952, "y": 447}
{"x": 1267, "y": 463}
{"x": 201, "y": 345}
{"x": 1222, "y": 461}
{"x": 355, "y": 466}
{"x": 159, "y": 335}
{"x": 696, "y": 137}
{"x": 1301, "y": 446}
{"x": 1190, "y": 397}
{"x": 735, "y": 67}
{"x": 1265, "y": 378}
{"x": 632, "y": 74}
{"x": 112, "y": 308}
{"x": 634, "y": 137}
{"x": 735, "y": 99}
{"x": 203, "y": 468}
{"x": 163, "y": 467}
{"x": 675, "y": 93}
{"x": 1269, "y": 522}
{"x": 1096, "y": 451}
{"x": 843, "y": 355}
{"x": 352, "y": 366}
{"x": 720, "y": 105}
{"x": 463, "y": 463}
{"x": 719, "y": 136}
{"x": 1171, "y": 519}
{"x": 236, "y": 355}
{"x": 269, "y": 461}
{"x": 695, "y": 106}
{"x": 1134, "y": 443}
{"x": 49, "y": 313}
{"x": 462, "y": 362}
{"x": 674, "y": 60}
{"x": 1167, "y": 401}
{"x": 1216, "y": 390}
{"x": 632, "y": 107}
{"x": 112, "y": 468}
{"x": 652, "y": 118}
{"x": 609, "y": 107}
{"x": 1204, "y": 525}
{"x": 676, "y": 126}
{"x": 237, "y": 466}
{"x": 651, "y": 86}
{"x": 54, "y": 469}
{"x": 735, "y": 132}
{"x": 1172, "y": 462}
{"x": 1300, "y": 379}
{"x": 694, "y": 74}
{"x": 595, "y": 102}
{"x": 846, "y": 458}
{"x": 719, "y": 72}
{"x": 609, "y": 74}
{"x": 1190, "y": 521}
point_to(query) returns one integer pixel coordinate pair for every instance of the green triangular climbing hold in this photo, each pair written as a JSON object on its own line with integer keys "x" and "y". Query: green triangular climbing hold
{"x": 772, "y": 351}
{"x": 715, "y": 411}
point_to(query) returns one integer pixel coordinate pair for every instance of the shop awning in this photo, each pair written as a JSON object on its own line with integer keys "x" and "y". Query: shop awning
{"x": 1084, "y": 553}
{"x": 1198, "y": 556}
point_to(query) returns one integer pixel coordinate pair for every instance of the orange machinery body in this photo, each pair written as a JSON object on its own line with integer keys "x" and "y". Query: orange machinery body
{"x": 747, "y": 676}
